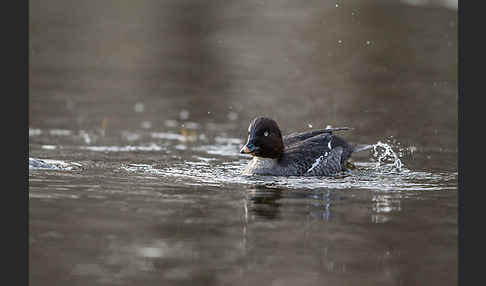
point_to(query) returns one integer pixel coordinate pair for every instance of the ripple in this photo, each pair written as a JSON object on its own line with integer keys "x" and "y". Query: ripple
{"x": 127, "y": 148}
{"x": 226, "y": 150}
{"x": 230, "y": 141}
{"x": 221, "y": 164}
{"x": 367, "y": 176}
{"x": 34, "y": 132}
{"x": 168, "y": 136}
{"x": 39, "y": 195}
{"x": 48, "y": 164}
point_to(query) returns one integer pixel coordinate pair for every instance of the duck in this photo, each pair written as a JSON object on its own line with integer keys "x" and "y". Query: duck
{"x": 311, "y": 153}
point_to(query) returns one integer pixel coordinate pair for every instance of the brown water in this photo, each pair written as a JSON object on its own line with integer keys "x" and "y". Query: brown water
{"x": 137, "y": 110}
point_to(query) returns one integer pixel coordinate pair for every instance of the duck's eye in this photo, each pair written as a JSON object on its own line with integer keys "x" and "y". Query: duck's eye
{"x": 265, "y": 134}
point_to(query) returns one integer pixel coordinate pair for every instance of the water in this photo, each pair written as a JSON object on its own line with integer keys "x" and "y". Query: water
{"x": 137, "y": 112}
{"x": 157, "y": 212}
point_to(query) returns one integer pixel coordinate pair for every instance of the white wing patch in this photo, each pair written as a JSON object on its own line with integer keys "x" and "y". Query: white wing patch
{"x": 316, "y": 163}
{"x": 329, "y": 144}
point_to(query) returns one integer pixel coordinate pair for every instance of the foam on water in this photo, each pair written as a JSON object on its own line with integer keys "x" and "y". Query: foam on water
{"x": 49, "y": 164}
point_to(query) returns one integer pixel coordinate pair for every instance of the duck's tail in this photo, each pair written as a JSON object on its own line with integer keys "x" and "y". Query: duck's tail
{"x": 330, "y": 129}
{"x": 354, "y": 147}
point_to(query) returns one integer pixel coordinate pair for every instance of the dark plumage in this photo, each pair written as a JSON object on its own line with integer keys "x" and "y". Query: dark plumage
{"x": 312, "y": 153}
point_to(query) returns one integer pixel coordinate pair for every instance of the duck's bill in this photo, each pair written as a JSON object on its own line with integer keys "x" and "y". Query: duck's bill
{"x": 249, "y": 149}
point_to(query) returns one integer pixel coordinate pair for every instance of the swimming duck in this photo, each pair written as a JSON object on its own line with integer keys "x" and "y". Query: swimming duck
{"x": 310, "y": 153}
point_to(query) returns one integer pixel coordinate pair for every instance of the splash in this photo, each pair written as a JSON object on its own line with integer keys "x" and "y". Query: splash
{"x": 384, "y": 153}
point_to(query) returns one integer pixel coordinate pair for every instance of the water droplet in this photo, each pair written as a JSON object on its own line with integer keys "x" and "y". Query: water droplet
{"x": 337, "y": 5}
{"x": 85, "y": 136}
{"x": 398, "y": 164}
{"x": 412, "y": 149}
{"x": 146, "y": 124}
{"x": 192, "y": 125}
{"x": 139, "y": 107}
{"x": 184, "y": 114}
{"x": 340, "y": 41}
{"x": 232, "y": 115}
{"x": 170, "y": 123}
{"x": 368, "y": 43}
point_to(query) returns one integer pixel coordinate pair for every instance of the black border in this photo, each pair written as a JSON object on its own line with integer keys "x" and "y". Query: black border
{"x": 15, "y": 95}
{"x": 460, "y": 133}
{"x": 470, "y": 83}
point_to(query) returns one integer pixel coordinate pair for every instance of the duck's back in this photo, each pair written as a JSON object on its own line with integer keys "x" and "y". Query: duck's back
{"x": 297, "y": 137}
{"x": 320, "y": 155}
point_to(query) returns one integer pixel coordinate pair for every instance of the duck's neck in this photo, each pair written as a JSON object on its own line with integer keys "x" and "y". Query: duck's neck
{"x": 260, "y": 165}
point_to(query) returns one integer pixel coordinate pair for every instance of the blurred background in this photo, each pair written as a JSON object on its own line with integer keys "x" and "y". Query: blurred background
{"x": 386, "y": 68}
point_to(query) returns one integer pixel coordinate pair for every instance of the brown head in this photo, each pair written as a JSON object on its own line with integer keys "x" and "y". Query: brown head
{"x": 264, "y": 139}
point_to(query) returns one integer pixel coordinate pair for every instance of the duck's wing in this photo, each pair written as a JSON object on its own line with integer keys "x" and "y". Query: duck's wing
{"x": 296, "y": 137}
{"x": 319, "y": 155}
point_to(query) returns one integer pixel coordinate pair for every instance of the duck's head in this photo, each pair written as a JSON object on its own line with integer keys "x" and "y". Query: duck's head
{"x": 264, "y": 139}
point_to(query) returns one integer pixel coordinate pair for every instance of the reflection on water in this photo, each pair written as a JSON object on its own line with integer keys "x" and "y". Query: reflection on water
{"x": 385, "y": 204}
{"x": 264, "y": 202}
